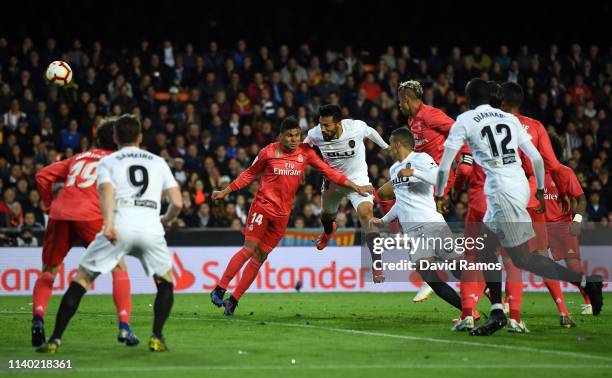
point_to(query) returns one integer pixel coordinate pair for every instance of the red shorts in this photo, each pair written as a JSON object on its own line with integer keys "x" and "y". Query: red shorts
{"x": 61, "y": 235}
{"x": 264, "y": 228}
{"x": 540, "y": 241}
{"x": 563, "y": 245}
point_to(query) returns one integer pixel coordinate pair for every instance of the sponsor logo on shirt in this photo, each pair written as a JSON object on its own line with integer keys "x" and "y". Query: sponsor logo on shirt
{"x": 340, "y": 155}
{"x": 289, "y": 170}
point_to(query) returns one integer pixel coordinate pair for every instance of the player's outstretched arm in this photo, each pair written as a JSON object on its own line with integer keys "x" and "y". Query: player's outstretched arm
{"x": 246, "y": 177}
{"x": 375, "y": 137}
{"x": 176, "y": 204}
{"x": 444, "y": 169}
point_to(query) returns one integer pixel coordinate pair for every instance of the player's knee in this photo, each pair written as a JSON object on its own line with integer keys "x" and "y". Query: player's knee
{"x": 259, "y": 255}
{"x": 327, "y": 218}
{"x": 85, "y": 277}
{"x": 50, "y": 269}
{"x": 121, "y": 267}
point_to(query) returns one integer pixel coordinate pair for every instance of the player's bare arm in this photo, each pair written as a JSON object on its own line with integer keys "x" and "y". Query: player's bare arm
{"x": 385, "y": 192}
{"x": 364, "y": 190}
{"x": 176, "y": 204}
{"x": 107, "y": 205}
{"x": 221, "y": 194}
{"x": 579, "y": 211}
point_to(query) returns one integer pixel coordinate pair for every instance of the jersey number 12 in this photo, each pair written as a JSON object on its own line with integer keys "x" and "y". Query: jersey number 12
{"x": 486, "y": 132}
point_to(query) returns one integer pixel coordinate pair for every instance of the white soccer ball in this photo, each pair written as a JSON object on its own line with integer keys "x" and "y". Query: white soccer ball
{"x": 59, "y": 73}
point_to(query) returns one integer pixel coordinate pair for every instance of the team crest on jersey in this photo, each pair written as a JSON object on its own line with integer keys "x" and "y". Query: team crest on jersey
{"x": 408, "y": 165}
{"x": 300, "y": 158}
{"x": 351, "y": 143}
{"x": 277, "y": 153}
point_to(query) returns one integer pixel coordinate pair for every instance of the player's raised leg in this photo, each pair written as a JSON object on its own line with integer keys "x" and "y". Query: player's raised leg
{"x": 330, "y": 200}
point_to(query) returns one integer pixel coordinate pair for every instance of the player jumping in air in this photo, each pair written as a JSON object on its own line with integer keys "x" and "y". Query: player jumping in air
{"x": 131, "y": 182}
{"x": 495, "y": 137}
{"x": 413, "y": 176}
{"x": 75, "y": 215}
{"x": 341, "y": 144}
{"x": 282, "y": 167}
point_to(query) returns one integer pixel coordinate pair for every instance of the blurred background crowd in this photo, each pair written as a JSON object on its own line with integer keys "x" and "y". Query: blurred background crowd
{"x": 208, "y": 109}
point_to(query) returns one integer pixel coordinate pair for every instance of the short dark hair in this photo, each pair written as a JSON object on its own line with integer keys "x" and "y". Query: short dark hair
{"x": 513, "y": 94}
{"x": 477, "y": 92}
{"x": 104, "y": 134}
{"x": 404, "y": 136}
{"x": 331, "y": 110}
{"x": 127, "y": 129}
{"x": 497, "y": 95}
{"x": 289, "y": 123}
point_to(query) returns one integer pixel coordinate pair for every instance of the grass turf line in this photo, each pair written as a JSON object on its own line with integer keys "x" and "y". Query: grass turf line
{"x": 326, "y": 334}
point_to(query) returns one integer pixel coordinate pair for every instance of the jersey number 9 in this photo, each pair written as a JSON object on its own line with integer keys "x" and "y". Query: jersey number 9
{"x": 139, "y": 178}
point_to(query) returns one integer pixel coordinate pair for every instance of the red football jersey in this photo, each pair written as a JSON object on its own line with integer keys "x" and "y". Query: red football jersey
{"x": 430, "y": 128}
{"x": 475, "y": 176}
{"x": 282, "y": 175}
{"x": 78, "y": 200}
{"x": 554, "y": 212}
{"x": 541, "y": 140}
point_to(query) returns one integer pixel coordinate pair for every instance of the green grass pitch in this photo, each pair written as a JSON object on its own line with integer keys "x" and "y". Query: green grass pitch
{"x": 331, "y": 334}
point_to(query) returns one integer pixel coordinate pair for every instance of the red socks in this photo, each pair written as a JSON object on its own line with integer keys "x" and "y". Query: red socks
{"x": 43, "y": 289}
{"x": 122, "y": 295}
{"x": 554, "y": 287}
{"x": 514, "y": 289}
{"x": 234, "y": 266}
{"x": 248, "y": 276}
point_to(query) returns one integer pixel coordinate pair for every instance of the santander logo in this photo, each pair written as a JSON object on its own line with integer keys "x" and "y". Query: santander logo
{"x": 183, "y": 278}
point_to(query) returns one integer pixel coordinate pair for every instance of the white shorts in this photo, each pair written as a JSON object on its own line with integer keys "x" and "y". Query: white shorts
{"x": 434, "y": 242}
{"x": 332, "y": 194}
{"x": 102, "y": 256}
{"x": 508, "y": 218}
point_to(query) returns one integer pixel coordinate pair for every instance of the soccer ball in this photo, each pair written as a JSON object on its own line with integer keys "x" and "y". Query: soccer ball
{"x": 59, "y": 73}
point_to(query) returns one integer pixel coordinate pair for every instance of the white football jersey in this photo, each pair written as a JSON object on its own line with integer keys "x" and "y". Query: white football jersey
{"x": 347, "y": 154}
{"x": 414, "y": 196}
{"x": 494, "y": 137}
{"x": 139, "y": 179}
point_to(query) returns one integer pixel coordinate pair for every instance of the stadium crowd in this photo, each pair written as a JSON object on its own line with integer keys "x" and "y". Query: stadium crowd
{"x": 208, "y": 109}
